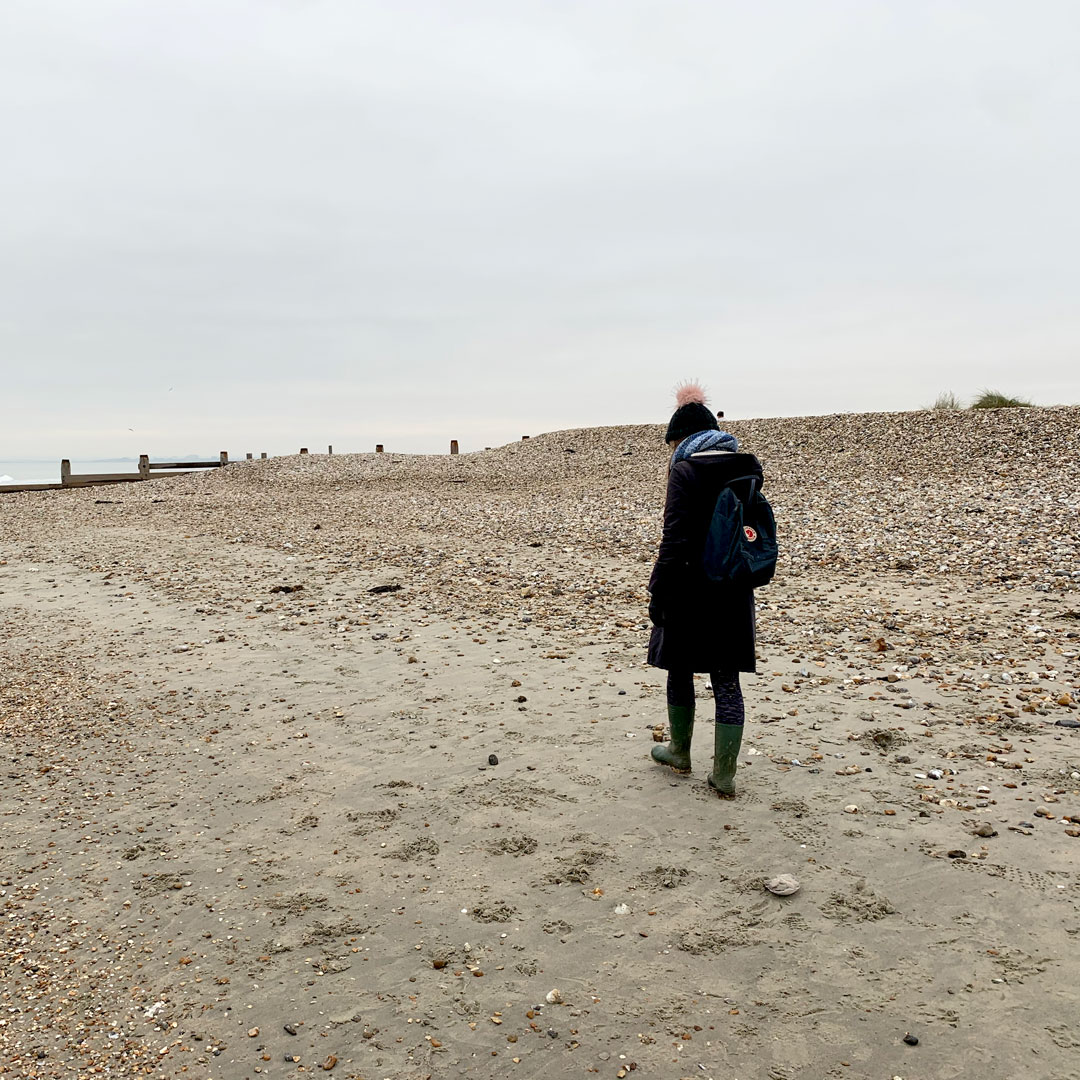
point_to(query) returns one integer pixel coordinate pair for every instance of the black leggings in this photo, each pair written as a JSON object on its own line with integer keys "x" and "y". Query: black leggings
{"x": 726, "y": 691}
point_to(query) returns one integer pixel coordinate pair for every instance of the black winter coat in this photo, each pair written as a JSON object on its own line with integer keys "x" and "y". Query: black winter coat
{"x": 700, "y": 626}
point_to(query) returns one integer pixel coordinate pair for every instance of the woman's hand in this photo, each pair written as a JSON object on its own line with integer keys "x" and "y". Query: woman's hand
{"x": 656, "y": 612}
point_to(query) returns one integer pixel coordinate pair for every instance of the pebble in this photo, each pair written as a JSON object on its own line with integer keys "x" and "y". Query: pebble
{"x": 911, "y": 1040}
{"x": 493, "y": 759}
{"x": 851, "y": 808}
{"x": 984, "y": 829}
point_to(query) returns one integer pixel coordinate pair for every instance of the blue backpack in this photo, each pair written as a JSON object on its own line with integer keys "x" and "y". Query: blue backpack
{"x": 741, "y": 548}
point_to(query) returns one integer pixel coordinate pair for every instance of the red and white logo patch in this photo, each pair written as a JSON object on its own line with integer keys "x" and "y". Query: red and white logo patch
{"x": 751, "y": 533}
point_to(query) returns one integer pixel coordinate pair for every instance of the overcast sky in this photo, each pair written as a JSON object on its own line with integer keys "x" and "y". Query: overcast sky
{"x": 266, "y": 224}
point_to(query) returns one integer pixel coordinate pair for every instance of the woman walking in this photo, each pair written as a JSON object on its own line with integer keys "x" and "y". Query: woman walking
{"x": 700, "y": 625}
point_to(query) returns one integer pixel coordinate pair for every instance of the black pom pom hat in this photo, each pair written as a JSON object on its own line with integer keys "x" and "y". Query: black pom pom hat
{"x": 692, "y": 414}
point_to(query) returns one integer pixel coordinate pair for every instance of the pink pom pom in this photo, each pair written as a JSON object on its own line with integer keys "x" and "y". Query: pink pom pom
{"x": 689, "y": 392}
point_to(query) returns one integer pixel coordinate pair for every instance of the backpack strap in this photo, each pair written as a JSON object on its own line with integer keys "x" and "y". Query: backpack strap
{"x": 754, "y": 483}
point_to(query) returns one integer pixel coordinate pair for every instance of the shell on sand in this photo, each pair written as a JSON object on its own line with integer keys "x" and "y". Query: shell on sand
{"x": 783, "y": 884}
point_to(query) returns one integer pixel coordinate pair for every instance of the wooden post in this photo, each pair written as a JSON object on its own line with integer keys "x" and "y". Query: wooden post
{"x": 378, "y": 448}
{"x": 262, "y": 456}
{"x": 524, "y": 438}
{"x": 65, "y": 472}
{"x": 224, "y": 457}
{"x": 329, "y": 449}
{"x": 303, "y": 449}
{"x": 453, "y": 446}
{"x": 144, "y": 466}
{"x": 249, "y": 457}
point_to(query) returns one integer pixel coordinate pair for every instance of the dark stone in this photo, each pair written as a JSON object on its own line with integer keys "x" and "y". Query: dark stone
{"x": 911, "y": 1040}
{"x": 384, "y": 588}
{"x": 493, "y": 759}
{"x": 1068, "y": 722}
{"x": 289, "y": 1029}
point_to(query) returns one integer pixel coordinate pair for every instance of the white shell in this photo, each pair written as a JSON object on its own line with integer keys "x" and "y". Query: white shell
{"x": 553, "y": 997}
{"x": 783, "y": 884}
{"x": 851, "y": 808}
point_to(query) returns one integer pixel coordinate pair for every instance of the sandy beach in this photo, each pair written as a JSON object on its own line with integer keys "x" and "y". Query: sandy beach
{"x": 341, "y": 764}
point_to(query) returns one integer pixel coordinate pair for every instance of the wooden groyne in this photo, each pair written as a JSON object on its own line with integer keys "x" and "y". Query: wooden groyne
{"x": 69, "y": 479}
{"x": 147, "y": 468}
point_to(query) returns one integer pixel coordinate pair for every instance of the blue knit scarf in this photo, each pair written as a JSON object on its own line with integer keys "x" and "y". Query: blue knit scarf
{"x": 704, "y": 440}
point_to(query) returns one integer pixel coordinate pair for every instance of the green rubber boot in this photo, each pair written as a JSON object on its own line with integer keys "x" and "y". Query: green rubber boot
{"x": 725, "y": 758}
{"x": 677, "y": 752}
